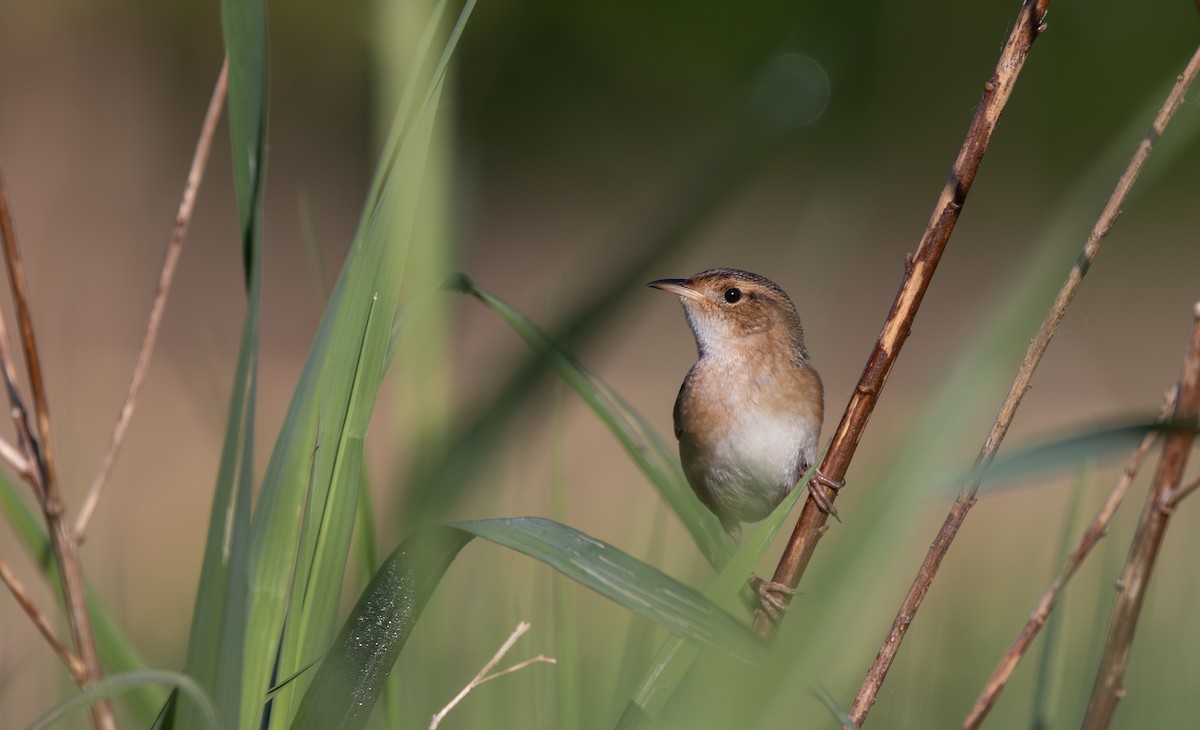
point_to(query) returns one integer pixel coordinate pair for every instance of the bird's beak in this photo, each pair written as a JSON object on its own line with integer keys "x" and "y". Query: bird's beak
{"x": 678, "y": 287}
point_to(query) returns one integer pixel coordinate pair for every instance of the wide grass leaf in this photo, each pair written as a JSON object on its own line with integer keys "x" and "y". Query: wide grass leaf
{"x": 620, "y": 577}
{"x": 116, "y": 684}
{"x": 345, "y": 688}
{"x": 352, "y": 675}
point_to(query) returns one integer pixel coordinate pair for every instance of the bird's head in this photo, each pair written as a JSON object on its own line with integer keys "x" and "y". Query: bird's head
{"x": 734, "y": 311}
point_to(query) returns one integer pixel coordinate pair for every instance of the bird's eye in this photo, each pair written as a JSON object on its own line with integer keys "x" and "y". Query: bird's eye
{"x": 733, "y": 295}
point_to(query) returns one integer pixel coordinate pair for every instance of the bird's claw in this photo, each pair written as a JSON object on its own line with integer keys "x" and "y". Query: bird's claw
{"x": 770, "y": 597}
{"x": 824, "y": 502}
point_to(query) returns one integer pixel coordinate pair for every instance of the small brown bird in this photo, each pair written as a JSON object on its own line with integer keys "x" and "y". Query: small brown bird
{"x": 749, "y": 413}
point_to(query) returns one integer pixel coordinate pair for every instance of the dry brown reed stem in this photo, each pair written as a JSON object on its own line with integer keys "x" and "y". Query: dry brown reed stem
{"x": 1152, "y": 526}
{"x": 39, "y": 454}
{"x": 1090, "y": 538}
{"x": 26, "y": 438}
{"x": 174, "y": 249}
{"x": 33, "y": 363}
{"x": 1033, "y": 355}
{"x": 17, "y": 588}
{"x": 919, "y": 269}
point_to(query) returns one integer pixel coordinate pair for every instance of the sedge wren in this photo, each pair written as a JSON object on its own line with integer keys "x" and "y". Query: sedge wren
{"x": 749, "y": 413}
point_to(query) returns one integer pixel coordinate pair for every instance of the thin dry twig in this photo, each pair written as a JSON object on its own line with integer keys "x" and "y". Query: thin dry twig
{"x": 1090, "y": 538}
{"x": 17, "y": 588}
{"x": 1131, "y": 586}
{"x": 39, "y": 454}
{"x": 174, "y": 249}
{"x": 13, "y": 456}
{"x": 919, "y": 269}
{"x": 1033, "y": 355}
{"x": 484, "y": 674}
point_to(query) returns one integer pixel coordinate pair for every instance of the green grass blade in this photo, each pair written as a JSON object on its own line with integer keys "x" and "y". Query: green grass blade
{"x": 215, "y": 640}
{"x": 116, "y": 684}
{"x": 616, "y": 575}
{"x": 401, "y": 120}
{"x": 328, "y": 520}
{"x": 218, "y": 620}
{"x": 1049, "y": 455}
{"x": 365, "y": 556}
{"x": 244, "y": 23}
{"x": 351, "y": 677}
{"x": 652, "y": 456}
{"x": 298, "y": 565}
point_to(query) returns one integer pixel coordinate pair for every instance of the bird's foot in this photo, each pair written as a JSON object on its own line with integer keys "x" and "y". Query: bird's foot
{"x": 771, "y": 597}
{"x": 824, "y": 501}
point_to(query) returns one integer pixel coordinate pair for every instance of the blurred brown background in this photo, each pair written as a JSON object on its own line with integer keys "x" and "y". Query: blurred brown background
{"x": 572, "y": 132}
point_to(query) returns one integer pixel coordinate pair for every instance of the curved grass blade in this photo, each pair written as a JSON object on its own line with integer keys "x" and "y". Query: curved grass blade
{"x": 652, "y": 456}
{"x": 350, "y": 679}
{"x": 116, "y": 684}
{"x": 620, "y": 577}
{"x": 1071, "y": 451}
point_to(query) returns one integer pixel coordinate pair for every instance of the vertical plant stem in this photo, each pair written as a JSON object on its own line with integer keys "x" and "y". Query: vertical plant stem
{"x": 174, "y": 249}
{"x": 40, "y": 453}
{"x": 33, "y": 364}
{"x": 1090, "y": 538}
{"x": 1033, "y": 356}
{"x": 919, "y": 269}
{"x": 40, "y": 622}
{"x": 1131, "y": 587}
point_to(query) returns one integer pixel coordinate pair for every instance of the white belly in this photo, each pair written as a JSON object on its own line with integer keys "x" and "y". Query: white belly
{"x": 758, "y": 461}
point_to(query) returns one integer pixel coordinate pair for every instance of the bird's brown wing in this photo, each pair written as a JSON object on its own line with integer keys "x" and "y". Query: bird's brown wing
{"x": 676, "y": 414}
{"x": 689, "y": 457}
